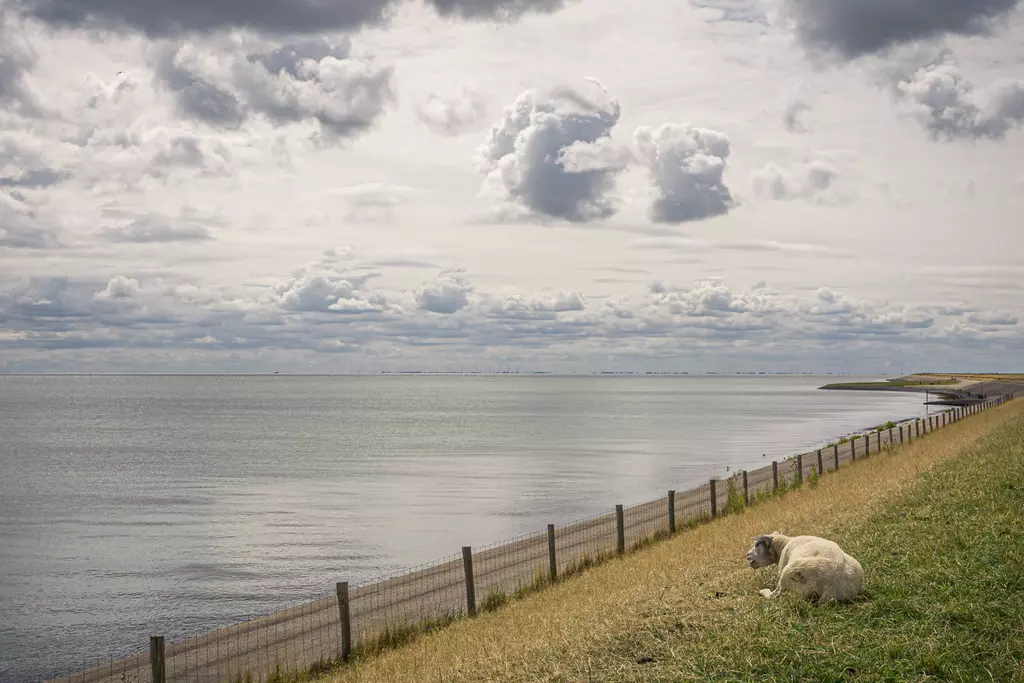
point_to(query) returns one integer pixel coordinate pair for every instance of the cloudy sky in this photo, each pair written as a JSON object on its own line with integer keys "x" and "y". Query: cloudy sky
{"x": 361, "y": 185}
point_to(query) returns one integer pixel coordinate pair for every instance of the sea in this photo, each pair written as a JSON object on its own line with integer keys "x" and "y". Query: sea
{"x": 141, "y": 505}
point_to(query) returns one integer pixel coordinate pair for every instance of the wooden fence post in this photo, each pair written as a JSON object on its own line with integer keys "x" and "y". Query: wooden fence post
{"x": 620, "y": 529}
{"x": 671, "y": 512}
{"x": 821, "y": 465}
{"x": 775, "y": 475}
{"x": 901, "y": 435}
{"x": 746, "y": 489}
{"x": 714, "y": 500}
{"x": 467, "y": 564}
{"x": 341, "y": 588}
{"x": 835, "y": 454}
{"x": 800, "y": 465}
{"x": 552, "y": 558}
{"x": 853, "y": 449}
{"x": 917, "y": 428}
{"x": 157, "y": 661}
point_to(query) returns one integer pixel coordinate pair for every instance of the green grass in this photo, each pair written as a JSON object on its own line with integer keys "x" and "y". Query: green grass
{"x": 889, "y": 384}
{"x": 944, "y": 597}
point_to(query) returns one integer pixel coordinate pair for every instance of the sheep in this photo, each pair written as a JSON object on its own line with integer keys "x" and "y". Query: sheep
{"x": 810, "y": 566}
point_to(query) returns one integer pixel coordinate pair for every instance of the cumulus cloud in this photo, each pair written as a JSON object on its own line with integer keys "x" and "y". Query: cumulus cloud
{"x": 454, "y": 114}
{"x": 807, "y": 180}
{"x": 20, "y": 227}
{"x": 320, "y": 311}
{"x": 546, "y": 305}
{"x": 992, "y": 318}
{"x": 118, "y": 288}
{"x": 851, "y": 29}
{"x": 687, "y": 166}
{"x": 283, "y": 17}
{"x": 152, "y": 229}
{"x": 447, "y": 293}
{"x": 307, "y": 293}
{"x": 551, "y": 155}
{"x": 712, "y": 298}
{"x": 312, "y": 80}
{"x": 948, "y": 107}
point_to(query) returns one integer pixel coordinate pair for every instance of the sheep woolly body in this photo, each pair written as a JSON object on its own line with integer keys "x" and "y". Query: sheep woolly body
{"x": 810, "y": 566}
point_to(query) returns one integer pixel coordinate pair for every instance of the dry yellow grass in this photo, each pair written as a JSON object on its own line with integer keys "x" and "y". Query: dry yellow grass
{"x": 696, "y": 583}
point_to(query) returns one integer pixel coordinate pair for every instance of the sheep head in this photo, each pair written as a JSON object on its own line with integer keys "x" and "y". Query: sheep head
{"x": 761, "y": 554}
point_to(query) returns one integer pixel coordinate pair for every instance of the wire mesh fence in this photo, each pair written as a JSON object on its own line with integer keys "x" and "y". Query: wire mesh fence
{"x": 316, "y": 634}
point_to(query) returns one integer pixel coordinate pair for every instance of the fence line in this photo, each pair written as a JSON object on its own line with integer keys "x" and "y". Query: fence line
{"x": 363, "y": 618}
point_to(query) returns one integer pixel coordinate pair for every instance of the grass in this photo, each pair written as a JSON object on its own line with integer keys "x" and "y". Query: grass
{"x": 944, "y": 587}
{"x": 1005, "y": 377}
{"x": 890, "y": 384}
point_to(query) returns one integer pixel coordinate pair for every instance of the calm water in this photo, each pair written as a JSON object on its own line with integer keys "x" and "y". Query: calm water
{"x": 132, "y": 506}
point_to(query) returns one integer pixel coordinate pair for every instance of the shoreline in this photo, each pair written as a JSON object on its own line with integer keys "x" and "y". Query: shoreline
{"x": 951, "y": 390}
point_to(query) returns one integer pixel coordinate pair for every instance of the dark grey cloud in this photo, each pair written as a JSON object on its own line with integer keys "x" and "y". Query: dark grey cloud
{"x": 552, "y": 155}
{"x": 453, "y": 114}
{"x": 151, "y": 229}
{"x": 309, "y": 80}
{"x": 949, "y": 108}
{"x": 687, "y": 166}
{"x": 852, "y": 28}
{"x": 194, "y": 96}
{"x": 162, "y": 18}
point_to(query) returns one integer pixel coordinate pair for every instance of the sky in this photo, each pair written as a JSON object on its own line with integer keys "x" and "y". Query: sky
{"x": 567, "y": 186}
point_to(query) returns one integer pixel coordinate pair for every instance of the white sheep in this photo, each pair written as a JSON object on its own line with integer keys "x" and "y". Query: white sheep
{"x": 810, "y": 566}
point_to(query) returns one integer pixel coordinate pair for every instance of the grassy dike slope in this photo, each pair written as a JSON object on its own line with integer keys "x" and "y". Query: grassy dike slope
{"x": 937, "y": 526}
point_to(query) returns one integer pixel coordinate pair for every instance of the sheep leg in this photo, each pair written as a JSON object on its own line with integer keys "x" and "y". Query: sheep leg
{"x": 789, "y": 577}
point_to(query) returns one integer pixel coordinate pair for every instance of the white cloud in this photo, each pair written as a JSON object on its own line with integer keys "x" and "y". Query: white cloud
{"x": 551, "y": 156}
{"x": 807, "y": 180}
{"x": 454, "y": 114}
{"x": 948, "y": 107}
{"x": 20, "y": 228}
{"x": 17, "y": 59}
{"x": 309, "y": 293}
{"x": 448, "y": 293}
{"x": 687, "y": 166}
{"x": 119, "y": 287}
{"x": 793, "y": 116}
{"x": 311, "y": 80}
{"x": 150, "y": 229}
